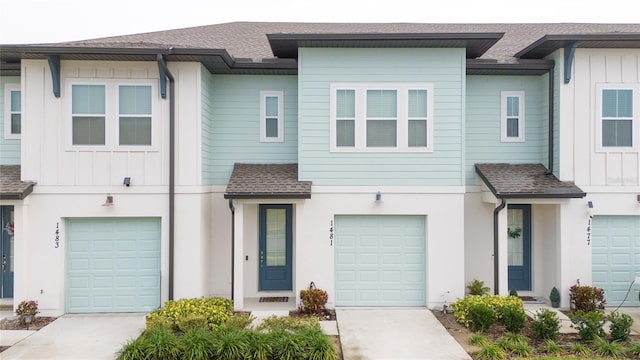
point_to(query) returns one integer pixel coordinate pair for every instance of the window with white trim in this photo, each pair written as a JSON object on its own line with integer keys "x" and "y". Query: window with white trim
{"x": 381, "y": 117}
{"x": 88, "y": 114}
{"x": 512, "y": 116}
{"x": 13, "y": 112}
{"x": 134, "y": 122}
{"x": 616, "y": 118}
{"x": 271, "y": 116}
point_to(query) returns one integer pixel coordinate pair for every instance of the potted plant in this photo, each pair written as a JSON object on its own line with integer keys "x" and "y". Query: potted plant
{"x": 554, "y": 297}
{"x": 27, "y": 311}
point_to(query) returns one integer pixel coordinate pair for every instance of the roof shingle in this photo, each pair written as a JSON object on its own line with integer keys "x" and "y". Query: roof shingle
{"x": 11, "y": 187}
{"x": 267, "y": 181}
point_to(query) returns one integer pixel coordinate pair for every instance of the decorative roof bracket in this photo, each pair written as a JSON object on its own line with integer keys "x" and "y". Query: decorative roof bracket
{"x": 569, "y": 53}
{"x": 163, "y": 81}
{"x": 54, "y": 66}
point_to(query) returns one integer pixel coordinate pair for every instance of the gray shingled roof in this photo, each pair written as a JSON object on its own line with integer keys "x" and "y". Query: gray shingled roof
{"x": 525, "y": 181}
{"x": 11, "y": 187}
{"x": 249, "y": 40}
{"x": 267, "y": 181}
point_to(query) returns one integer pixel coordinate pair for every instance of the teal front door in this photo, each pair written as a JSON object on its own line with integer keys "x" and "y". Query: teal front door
{"x": 519, "y": 246}
{"x": 275, "y": 247}
{"x": 6, "y": 251}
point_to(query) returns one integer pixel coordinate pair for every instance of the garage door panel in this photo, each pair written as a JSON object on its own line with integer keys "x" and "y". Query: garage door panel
{"x": 118, "y": 267}
{"x": 380, "y": 261}
{"x": 616, "y": 257}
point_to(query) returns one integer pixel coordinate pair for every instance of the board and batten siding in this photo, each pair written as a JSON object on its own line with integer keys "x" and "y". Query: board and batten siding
{"x": 444, "y": 68}
{"x": 594, "y": 67}
{"x": 9, "y": 148}
{"x": 232, "y": 130}
{"x": 482, "y": 126}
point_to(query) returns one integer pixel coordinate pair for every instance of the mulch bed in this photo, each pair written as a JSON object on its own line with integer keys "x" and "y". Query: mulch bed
{"x": 330, "y": 315}
{"x": 37, "y": 323}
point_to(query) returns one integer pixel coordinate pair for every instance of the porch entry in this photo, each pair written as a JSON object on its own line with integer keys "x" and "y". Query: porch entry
{"x": 519, "y": 246}
{"x": 275, "y": 238}
{"x": 6, "y": 251}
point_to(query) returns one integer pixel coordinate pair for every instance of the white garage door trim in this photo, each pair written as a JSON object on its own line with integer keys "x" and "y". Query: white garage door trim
{"x": 380, "y": 260}
{"x": 112, "y": 265}
{"x": 616, "y": 257}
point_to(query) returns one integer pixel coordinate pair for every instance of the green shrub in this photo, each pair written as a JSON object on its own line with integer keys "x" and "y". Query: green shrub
{"x": 288, "y": 323}
{"x": 240, "y": 321}
{"x": 620, "y": 326}
{"x": 132, "y": 350}
{"x": 160, "y": 343}
{"x": 318, "y": 346}
{"x": 522, "y": 349}
{"x": 159, "y": 320}
{"x": 192, "y": 322}
{"x": 612, "y": 349}
{"x": 478, "y": 340}
{"x": 490, "y": 352}
{"x": 588, "y": 324}
{"x": 550, "y": 347}
{"x": 476, "y": 287}
{"x": 546, "y": 325}
{"x": 586, "y": 298}
{"x": 513, "y": 318}
{"x": 634, "y": 349}
{"x": 286, "y": 345}
{"x": 230, "y": 343}
{"x": 482, "y": 317}
{"x": 498, "y": 303}
{"x": 215, "y": 310}
{"x": 312, "y": 301}
{"x": 197, "y": 344}
{"x": 260, "y": 346}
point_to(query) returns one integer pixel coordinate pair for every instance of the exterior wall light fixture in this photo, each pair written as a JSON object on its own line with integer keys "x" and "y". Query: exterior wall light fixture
{"x": 108, "y": 201}
{"x": 378, "y": 197}
{"x": 127, "y": 181}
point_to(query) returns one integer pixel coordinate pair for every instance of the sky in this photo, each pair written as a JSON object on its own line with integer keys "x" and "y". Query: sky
{"x": 45, "y": 21}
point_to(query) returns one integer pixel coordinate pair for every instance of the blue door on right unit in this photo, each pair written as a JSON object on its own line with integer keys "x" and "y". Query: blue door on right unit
{"x": 519, "y": 246}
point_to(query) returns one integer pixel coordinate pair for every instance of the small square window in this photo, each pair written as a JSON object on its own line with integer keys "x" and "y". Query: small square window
{"x": 271, "y": 116}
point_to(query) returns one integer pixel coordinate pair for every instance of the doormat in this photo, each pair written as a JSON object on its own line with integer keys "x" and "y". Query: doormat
{"x": 274, "y": 299}
{"x": 531, "y": 300}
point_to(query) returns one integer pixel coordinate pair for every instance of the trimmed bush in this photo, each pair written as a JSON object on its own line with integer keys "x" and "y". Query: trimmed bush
{"x": 197, "y": 344}
{"x": 482, "y": 317}
{"x": 546, "y": 325}
{"x": 187, "y": 312}
{"x": 513, "y": 318}
{"x": 312, "y": 301}
{"x": 588, "y": 324}
{"x": 160, "y": 343}
{"x": 497, "y": 303}
{"x": 620, "y": 326}
{"x": 586, "y": 298}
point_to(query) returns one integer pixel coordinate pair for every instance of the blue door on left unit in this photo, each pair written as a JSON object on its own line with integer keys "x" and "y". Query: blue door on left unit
{"x": 519, "y": 246}
{"x": 6, "y": 251}
{"x": 275, "y": 257}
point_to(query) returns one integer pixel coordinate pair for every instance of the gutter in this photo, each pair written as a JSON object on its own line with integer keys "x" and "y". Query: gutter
{"x": 551, "y": 110}
{"x": 496, "y": 265}
{"x": 172, "y": 164}
{"x": 233, "y": 239}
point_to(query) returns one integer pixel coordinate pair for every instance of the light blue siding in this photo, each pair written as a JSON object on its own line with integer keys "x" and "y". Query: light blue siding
{"x": 380, "y": 261}
{"x": 231, "y": 123}
{"x": 9, "y": 148}
{"x": 483, "y": 122}
{"x": 444, "y": 68}
{"x": 112, "y": 265}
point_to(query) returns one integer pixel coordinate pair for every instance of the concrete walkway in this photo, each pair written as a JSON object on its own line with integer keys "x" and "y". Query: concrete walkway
{"x": 379, "y": 334}
{"x": 79, "y": 337}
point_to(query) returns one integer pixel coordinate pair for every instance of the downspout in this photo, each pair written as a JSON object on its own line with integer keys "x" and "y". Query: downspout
{"x": 551, "y": 109}
{"x": 233, "y": 237}
{"x": 172, "y": 165}
{"x": 496, "y": 237}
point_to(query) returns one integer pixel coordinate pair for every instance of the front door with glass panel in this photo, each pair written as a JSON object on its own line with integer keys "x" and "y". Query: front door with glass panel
{"x": 519, "y": 246}
{"x": 275, "y": 255}
{"x": 6, "y": 251}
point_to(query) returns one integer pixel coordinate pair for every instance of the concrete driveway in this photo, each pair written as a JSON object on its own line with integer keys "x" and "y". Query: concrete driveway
{"x": 70, "y": 337}
{"x": 378, "y": 334}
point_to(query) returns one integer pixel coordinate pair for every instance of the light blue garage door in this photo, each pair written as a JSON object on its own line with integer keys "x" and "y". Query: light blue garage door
{"x": 380, "y": 260}
{"x": 616, "y": 257}
{"x": 113, "y": 265}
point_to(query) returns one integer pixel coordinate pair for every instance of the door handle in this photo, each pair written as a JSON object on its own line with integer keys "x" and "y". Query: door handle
{"x": 4, "y": 262}
{"x": 261, "y": 258}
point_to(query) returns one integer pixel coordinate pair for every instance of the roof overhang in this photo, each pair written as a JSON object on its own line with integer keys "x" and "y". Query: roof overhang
{"x": 550, "y": 43}
{"x": 217, "y": 61}
{"x": 522, "y": 67}
{"x": 286, "y": 45}
{"x": 266, "y": 181}
{"x": 11, "y": 186}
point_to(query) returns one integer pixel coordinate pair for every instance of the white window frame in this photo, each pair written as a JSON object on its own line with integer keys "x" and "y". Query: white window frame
{"x": 112, "y": 114}
{"x": 503, "y": 116}
{"x": 8, "y": 89}
{"x": 263, "y": 116}
{"x": 361, "y": 117}
{"x": 635, "y": 120}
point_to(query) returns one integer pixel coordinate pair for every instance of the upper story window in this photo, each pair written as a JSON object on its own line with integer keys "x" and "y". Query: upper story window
{"x": 617, "y": 118}
{"x": 112, "y": 113}
{"x": 271, "y": 116}
{"x": 512, "y": 116}
{"x": 384, "y": 117}
{"x": 88, "y": 114}
{"x": 134, "y": 104}
{"x": 13, "y": 112}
